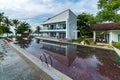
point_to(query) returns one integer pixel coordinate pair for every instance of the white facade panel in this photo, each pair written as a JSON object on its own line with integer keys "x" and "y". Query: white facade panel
{"x": 69, "y": 19}
{"x": 58, "y": 18}
{"x": 113, "y": 35}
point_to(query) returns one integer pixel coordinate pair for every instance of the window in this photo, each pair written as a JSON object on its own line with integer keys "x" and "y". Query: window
{"x": 119, "y": 37}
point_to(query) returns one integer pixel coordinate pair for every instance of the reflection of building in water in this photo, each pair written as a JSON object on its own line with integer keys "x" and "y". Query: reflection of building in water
{"x": 65, "y": 54}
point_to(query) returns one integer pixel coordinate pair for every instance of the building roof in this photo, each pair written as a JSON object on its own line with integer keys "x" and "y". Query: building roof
{"x": 63, "y": 16}
{"x": 105, "y": 26}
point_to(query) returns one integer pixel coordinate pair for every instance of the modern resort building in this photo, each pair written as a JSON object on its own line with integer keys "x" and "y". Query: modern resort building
{"x": 111, "y": 32}
{"x": 63, "y": 25}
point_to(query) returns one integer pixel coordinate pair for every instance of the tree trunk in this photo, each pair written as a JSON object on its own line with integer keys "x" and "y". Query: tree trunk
{"x": 7, "y": 34}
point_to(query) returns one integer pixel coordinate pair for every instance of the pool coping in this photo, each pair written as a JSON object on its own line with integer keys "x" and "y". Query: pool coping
{"x": 59, "y": 41}
{"x": 117, "y": 51}
{"x": 45, "y": 72}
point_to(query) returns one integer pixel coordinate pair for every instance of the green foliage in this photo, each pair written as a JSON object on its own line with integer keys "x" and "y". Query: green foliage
{"x": 83, "y": 23}
{"x": 30, "y": 31}
{"x": 5, "y": 24}
{"x": 1, "y": 17}
{"x": 78, "y": 40}
{"x": 105, "y": 15}
{"x": 118, "y": 45}
{"x": 1, "y": 30}
{"x": 15, "y": 22}
{"x": 22, "y": 27}
{"x": 116, "y": 18}
{"x": 37, "y": 29}
{"x": 85, "y": 39}
{"x": 108, "y": 10}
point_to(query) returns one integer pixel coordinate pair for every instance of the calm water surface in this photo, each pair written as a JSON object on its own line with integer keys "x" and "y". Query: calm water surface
{"x": 78, "y": 62}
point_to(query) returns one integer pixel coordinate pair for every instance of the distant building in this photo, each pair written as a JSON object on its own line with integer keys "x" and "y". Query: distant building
{"x": 25, "y": 34}
{"x": 111, "y": 31}
{"x": 63, "y": 25}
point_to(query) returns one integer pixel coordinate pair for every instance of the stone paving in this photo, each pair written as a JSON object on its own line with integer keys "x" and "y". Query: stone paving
{"x": 12, "y": 67}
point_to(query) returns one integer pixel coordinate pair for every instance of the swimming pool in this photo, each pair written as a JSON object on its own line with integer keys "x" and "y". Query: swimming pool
{"x": 77, "y": 62}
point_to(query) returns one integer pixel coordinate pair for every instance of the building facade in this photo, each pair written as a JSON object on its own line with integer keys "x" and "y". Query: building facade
{"x": 111, "y": 32}
{"x": 63, "y": 25}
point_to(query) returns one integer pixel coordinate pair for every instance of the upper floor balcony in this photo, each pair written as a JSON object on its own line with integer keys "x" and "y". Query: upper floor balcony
{"x": 54, "y": 27}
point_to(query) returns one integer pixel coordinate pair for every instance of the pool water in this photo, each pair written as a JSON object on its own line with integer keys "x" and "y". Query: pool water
{"x": 77, "y": 62}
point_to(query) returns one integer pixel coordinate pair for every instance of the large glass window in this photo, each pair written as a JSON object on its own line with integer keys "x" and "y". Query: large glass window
{"x": 62, "y": 26}
{"x": 119, "y": 37}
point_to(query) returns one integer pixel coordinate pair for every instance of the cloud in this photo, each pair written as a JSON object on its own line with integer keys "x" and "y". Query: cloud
{"x": 36, "y": 11}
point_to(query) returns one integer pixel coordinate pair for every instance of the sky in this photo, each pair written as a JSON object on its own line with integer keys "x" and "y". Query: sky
{"x": 37, "y": 11}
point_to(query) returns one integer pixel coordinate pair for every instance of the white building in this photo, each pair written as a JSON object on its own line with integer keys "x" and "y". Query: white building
{"x": 111, "y": 32}
{"x": 63, "y": 25}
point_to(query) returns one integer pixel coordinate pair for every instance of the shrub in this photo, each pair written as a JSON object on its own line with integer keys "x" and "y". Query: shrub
{"x": 118, "y": 45}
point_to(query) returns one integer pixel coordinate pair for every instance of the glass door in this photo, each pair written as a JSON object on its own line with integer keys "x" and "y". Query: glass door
{"x": 118, "y": 37}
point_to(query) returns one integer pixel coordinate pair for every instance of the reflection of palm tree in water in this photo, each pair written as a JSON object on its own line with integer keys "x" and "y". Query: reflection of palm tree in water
{"x": 46, "y": 59}
{"x": 24, "y": 43}
{"x": 38, "y": 41}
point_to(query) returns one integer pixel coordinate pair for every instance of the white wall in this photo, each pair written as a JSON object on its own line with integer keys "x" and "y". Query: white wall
{"x": 71, "y": 25}
{"x": 71, "y": 22}
{"x": 58, "y": 18}
{"x": 113, "y": 35}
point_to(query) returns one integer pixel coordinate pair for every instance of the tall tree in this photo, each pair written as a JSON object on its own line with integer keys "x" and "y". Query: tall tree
{"x": 83, "y": 23}
{"x": 7, "y": 24}
{"x": 1, "y": 30}
{"x": 108, "y": 10}
{"x": 1, "y": 21}
{"x": 16, "y": 23}
{"x": 22, "y": 27}
{"x": 38, "y": 29}
{"x": 1, "y": 18}
{"x": 30, "y": 31}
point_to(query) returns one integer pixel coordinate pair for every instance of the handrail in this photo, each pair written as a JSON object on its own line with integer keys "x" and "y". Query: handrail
{"x": 46, "y": 59}
{"x": 41, "y": 58}
{"x": 50, "y": 60}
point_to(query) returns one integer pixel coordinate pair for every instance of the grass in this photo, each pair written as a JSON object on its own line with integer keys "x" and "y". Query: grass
{"x": 88, "y": 41}
{"x": 102, "y": 45}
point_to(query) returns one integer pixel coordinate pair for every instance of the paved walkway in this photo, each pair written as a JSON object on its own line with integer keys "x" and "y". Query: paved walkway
{"x": 12, "y": 67}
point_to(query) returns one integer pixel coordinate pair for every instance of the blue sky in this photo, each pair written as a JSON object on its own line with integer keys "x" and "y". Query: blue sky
{"x": 37, "y": 11}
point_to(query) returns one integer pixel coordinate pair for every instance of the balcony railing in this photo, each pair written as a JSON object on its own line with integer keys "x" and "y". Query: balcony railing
{"x": 55, "y": 28}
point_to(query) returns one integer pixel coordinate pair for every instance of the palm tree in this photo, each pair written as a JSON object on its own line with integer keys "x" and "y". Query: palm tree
{"x": 1, "y": 21}
{"x": 16, "y": 23}
{"x": 7, "y": 25}
{"x": 38, "y": 29}
{"x": 1, "y": 31}
{"x": 1, "y": 18}
{"x": 22, "y": 27}
{"x": 30, "y": 31}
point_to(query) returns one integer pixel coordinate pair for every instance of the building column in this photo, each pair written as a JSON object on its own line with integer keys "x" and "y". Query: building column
{"x": 110, "y": 37}
{"x": 94, "y": 36}
{"x": 57, "y": 35}
{"x": 48, "y": 27}
{"x": 49, "y": 34}
{"x": 67, "y": 29}
{"x": 57, "y": 27}
{"x": 76, "y": 34}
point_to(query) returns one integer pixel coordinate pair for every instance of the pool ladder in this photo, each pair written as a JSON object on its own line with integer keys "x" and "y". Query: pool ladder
{"x": 43, "y": 56}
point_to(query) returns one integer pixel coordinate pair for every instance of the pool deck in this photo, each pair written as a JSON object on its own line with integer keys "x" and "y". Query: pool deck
{"x": 13, "y": 67}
